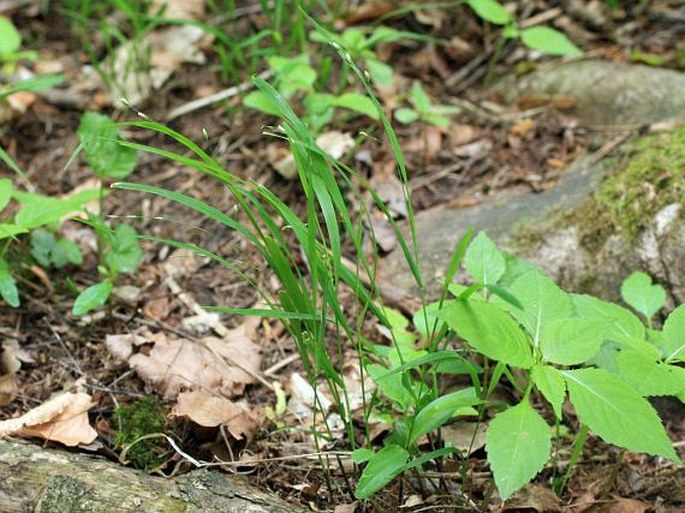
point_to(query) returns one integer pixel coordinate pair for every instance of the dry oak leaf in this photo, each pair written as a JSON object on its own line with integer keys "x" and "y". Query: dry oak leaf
{"x": 210, "y": 410}
{"x": 62, "y": 418}
{"x": 221, "y": 366}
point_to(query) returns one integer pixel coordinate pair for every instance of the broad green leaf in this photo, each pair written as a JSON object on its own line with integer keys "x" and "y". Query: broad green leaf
{"x": 543, "y": 302}
{"x": 261, "y": 102}
{"x": 8, "y": 230}
{"x": 491, "y": 11}
{"x": 649, "y": 377}
{"x": 124, "y": 253}
{"x": 10, "y": 39}
{"x": 361, "y": 455}
{"x": 420, "y": 99}
{"x": 435, "y": 119}
{"x": 550, "y": 41}
{"x": 381, "y": 73}
{"x": 550, "y": 382}
{"x": 426, "y": 320}
{"x": 356, "y": 102}
{"x": 406, "y": 115}
{"x": 620, "y": 325}
{"x": 674, "y": 335}
{"x": 91, "y": 298}
{"x": 614, "y": 411}
{"x": 38, "y": 210}
{"x": 104, "y": 153}
{"x": 571, "y": 341}
{"x": 382, "y": 468}
{"x": 484, "y": 262}
{"x": 390, "y": 384}
{"x": 6, "y": 187}
{"x": 490, "y": 331}
{"x": 8, "y": 286}
{"x": 518, "y": 444}
{"x": 439, "y": 411}
{"x": 638, "y": 291}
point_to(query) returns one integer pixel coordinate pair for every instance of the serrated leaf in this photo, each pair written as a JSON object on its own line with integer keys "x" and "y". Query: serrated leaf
{"x": 615, "y": 412}
{"x": 674, "y": 336}
{"x": 91, "y": 298}
{"x": 550, "y": 41}
{"x": 490, "y": 11}
{"x": 518, "y": 444}
{"x": 124, "y": 253}
{"x": 406, "y": 115}
{"x": 8, "y": 285}
{"x": 620, "y": 325}
{"x": 543, "y": 302}
{"x": 439, "y": 411}
{"x": 571, "y": 341}
{"x": 649, "y": 377}
{"x": 382, "y": 468}
{"x": 490, "y": 331}
{"x": 484, "y": 261}
{"x": 638, "y": 291}
{"x": 100, "y": 138}
{"x": 550, "y": 382}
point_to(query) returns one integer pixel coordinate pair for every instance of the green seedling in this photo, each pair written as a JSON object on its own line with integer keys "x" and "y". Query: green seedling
{"x": 424, "y": 110}
{"x": 50, "y": 250}
{"x": 360, "y": 48}
{"x": 541, "y": 38}
{"x": 35, "y": 212}
{"x": 296, "y": 76}
{"x": 118, "y": 248}
{"x": 10, "y": 46}
{"x": 512, "y": 319}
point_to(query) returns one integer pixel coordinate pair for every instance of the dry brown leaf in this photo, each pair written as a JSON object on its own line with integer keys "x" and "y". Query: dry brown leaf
{"x": 534, "y": 498}
{"x": 164, "y": 50}
{"x": 10, "y": 363}
{"x": 522, "y": 127}
{"x": 222, "y": 366}
{"x": 460, "y": 435}
{"x": 63, "y": 418}
{"x": 387, "y": 185}
{"x": 369, "y": 11}
{"x": 210, "y": 410}
{"x": 619, "y": 505}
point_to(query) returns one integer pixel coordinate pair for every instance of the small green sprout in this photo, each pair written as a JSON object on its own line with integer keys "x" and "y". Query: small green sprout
{"x": 424, "y": 110}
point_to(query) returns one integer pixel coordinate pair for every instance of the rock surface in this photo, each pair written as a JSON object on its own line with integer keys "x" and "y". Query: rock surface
{"x": 606, "y": 93}
{"x": 551, "y": 228}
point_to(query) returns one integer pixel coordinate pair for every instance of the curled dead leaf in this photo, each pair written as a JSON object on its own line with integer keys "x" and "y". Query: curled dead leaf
{"x": 219, "y": 365}
{"x": 62, "y": 418}
{"x": 209, "y": 410}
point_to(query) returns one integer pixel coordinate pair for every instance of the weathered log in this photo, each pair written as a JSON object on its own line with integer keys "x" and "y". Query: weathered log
{"x": 37, "y": 479}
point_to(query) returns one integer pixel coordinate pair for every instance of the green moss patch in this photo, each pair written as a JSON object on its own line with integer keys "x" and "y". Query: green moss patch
{"x": 651, "y": 176}
{"x": 141, "y": 418}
